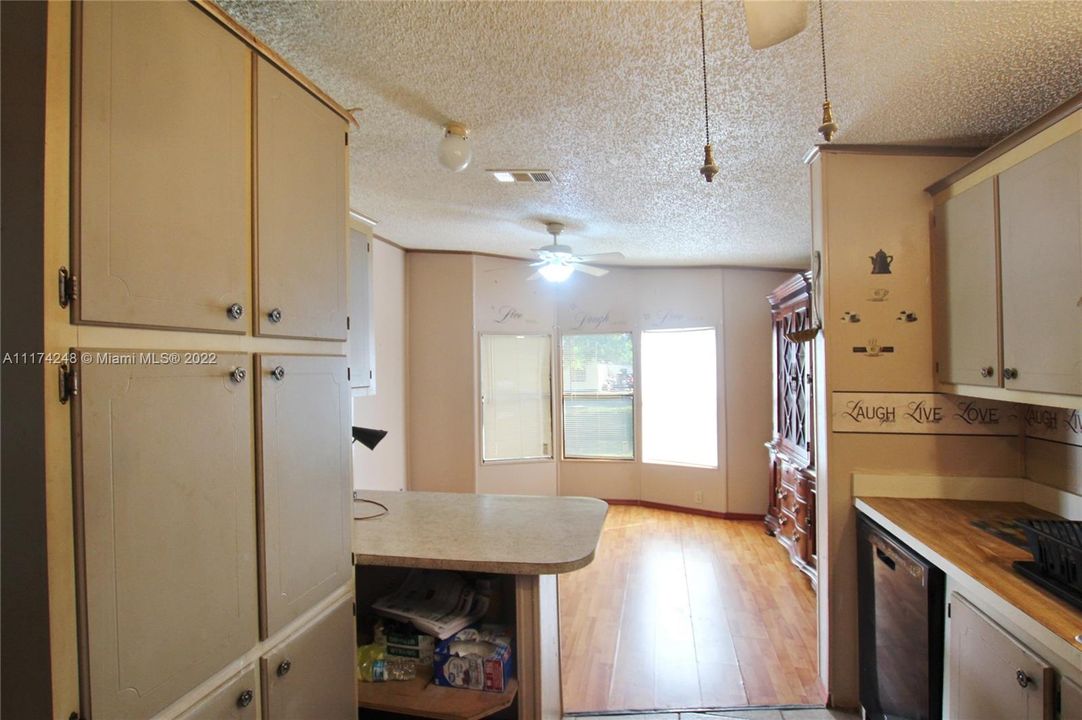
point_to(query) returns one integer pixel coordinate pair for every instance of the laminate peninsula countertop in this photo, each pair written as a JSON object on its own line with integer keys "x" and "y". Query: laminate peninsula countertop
{"x": 501, "y": 534}
{"x": 943, "y": 532}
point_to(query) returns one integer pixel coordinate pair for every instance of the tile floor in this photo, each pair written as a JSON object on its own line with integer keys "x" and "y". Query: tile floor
{"x": 749, "y": 714}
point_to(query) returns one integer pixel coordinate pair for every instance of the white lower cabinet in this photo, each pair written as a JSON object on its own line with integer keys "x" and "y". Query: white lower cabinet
{"x": 310, "y": 675}
{"x": 235, "y": 699}
{"x": 1070, "y": 700}
{"x": 991, "y": 675}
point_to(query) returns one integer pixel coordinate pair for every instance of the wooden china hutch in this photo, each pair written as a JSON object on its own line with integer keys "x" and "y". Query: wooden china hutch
{"x": 791, "y": 513}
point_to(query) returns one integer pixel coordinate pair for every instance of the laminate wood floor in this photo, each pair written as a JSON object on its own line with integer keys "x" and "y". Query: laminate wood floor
{"x": 681, "y": 611}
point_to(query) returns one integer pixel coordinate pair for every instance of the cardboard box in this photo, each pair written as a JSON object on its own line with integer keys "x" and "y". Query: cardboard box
{"x": 402, "y": 640}
{"x": 477, "y": 658}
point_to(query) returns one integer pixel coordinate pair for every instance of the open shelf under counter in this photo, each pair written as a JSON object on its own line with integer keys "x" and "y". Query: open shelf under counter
{"x": 421, "y": 697}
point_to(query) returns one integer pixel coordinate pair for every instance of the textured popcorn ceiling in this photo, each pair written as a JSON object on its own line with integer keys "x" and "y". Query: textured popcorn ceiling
{"x": 608, "y": 95}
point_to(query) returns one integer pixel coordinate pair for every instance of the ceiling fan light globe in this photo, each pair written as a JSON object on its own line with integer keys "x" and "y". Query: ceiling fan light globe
{"x": 556, "y": 272}
{"x": 454, "y": 152}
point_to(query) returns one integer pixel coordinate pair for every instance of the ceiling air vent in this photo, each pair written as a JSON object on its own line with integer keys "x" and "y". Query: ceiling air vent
{"x": 531, "y": 177}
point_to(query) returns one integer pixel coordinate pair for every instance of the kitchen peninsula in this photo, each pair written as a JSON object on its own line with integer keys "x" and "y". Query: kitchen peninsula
{"x": 524, "y": 541}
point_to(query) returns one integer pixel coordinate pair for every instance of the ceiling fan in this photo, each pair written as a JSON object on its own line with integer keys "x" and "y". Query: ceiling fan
{"x": 556, "y": 262}
{"x": 773, "y": 21}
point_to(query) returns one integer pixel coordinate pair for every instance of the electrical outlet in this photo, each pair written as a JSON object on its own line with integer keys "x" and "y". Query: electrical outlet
{"x": 699, "y": 497}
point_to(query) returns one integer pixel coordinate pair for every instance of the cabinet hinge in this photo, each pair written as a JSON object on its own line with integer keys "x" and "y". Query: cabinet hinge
{"x": 948, "y": 609}
{"x": 68, "y": 381}
{"x": 68, "y": 286}
{"x": 347, "y": 322}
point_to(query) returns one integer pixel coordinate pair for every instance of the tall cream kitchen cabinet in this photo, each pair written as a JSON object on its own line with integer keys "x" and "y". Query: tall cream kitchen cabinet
{"x": 161, "y": 160}
{"x": 967, "y": 319}
{"x": 166, "y": 529}
{"x": 201, "y": 494}
{"x": 305, "y": 482}
{"x": 301, "y": 212}
{"x": 1040, "y": 206}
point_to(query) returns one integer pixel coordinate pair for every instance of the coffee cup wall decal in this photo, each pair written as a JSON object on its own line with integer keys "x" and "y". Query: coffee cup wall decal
{"x": 881, "y": 263}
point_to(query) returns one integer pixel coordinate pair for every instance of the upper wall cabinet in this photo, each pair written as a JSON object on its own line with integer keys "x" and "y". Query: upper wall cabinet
{"x": 1040, "y": 211}
{"x": 161, "y": 178}
{"x": 1008, "y": 267}
{"x": 360, "y": 310}
{"x": 166, "y": 526}
{"x": 301, "y": 212}
{"x": 967, "y": 297}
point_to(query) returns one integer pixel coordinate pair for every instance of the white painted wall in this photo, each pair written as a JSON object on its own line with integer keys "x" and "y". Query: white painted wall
{"x": 385, "y": 467}
{"x": 632, "y": 300}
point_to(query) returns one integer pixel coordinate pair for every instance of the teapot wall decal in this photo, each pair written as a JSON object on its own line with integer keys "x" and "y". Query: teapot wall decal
{"x": 881, "y": 263}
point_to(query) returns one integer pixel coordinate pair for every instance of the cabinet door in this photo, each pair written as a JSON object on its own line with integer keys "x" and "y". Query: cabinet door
{"x": 235, "y": 699}
{"x": 305, "y": 483}
{"x": 165, "y": 494}
{"x": 966, "y": 288}
{"x": 301, "y": 211}
{"x": 360, "y": 309}
{"x": 1040, "y": 205}
{"x": 311, "y": 675}
{"x": 1070, "y": 700}
{"x": 992, "y": 676}
{"x": 161, "y": 187}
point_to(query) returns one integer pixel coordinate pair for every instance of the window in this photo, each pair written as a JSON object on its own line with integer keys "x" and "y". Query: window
{"x": 516, "y": 397}
{"x": 680, "y": 397}
{"x": 599, "y": 396}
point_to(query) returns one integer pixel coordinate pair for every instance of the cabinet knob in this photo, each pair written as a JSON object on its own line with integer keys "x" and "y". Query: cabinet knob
{"x": 1010, "y": 373}
{"x": 1023, "y": 679}
{"x": 238, "y": 375}
{"x": 278, "y": 373}
{"x": 275, "y": 315}
{"x": 987, "y": 372}
{"x": 245, "y": 698}
{"x": 235, "y": 311}
{"x": 284, "y": 667}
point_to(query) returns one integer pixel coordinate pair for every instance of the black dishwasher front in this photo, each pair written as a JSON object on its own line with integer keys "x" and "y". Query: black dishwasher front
{"x": 901, "y": 628}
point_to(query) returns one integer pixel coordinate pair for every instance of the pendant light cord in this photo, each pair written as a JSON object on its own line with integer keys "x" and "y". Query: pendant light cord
{"x": 702, "y": 38}
{"x": 822, "y": 51}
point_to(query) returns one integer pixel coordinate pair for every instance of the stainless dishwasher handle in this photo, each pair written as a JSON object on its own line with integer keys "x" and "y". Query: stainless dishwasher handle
{"x": 886, "y": 559}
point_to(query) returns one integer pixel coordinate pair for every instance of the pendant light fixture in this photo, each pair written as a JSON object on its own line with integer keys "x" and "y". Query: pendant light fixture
{"x": 829, "y": 127}
{"x": 709, "y": 168}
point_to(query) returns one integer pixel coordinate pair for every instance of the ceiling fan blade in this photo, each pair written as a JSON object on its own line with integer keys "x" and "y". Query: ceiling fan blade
{"x": 773, "y": 21}
{"x": 590, "y": 269}
{"x": 600, "y": 257}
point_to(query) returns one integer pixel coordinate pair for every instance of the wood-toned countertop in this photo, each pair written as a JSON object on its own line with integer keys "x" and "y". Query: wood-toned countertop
{"x": 504, "y": 534}
{"x": 942, "y": 532}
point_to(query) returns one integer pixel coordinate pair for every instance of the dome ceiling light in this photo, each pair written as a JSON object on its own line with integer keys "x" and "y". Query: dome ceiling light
{"x": 455, "y": 152}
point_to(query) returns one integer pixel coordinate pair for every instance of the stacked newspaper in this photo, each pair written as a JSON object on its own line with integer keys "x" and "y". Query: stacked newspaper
{"x": 437, "y": 602}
